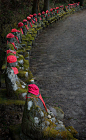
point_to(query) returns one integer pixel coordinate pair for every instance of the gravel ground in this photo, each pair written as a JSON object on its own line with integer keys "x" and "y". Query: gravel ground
{"x": 59, "y": 67}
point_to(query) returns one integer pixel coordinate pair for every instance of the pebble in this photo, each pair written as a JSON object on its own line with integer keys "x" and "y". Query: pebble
{"x": 49, "y": 117}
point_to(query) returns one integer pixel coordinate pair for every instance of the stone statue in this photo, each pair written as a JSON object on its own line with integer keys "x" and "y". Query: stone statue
{"x": 16, "y": 88}
{"x": 16, "y": 40}
{"x": 39, "y": 122}
{"x": 11, "y": 42}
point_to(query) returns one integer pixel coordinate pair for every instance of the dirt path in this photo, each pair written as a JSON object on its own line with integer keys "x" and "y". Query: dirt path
{"x": 58, "y": 63}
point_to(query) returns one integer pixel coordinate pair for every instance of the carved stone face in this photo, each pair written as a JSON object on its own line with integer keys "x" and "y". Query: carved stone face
{"x": 12, "y": 64}
{"x": 12, "y": 78}
{"x": 14, "y": 33}
{"x": 10, "y": 39}
{"x": 25, "y": 23}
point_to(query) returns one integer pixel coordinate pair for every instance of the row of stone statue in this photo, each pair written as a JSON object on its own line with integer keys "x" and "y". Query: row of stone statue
{"x": 19, "y": 43}
{"x": 39, "y": 122}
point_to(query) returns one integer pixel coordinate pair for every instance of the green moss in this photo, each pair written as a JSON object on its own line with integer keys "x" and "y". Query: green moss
{"x": 21, "y": 74}
{"x": 58, "y": 109}
{"x": 26, "y": 64}
{"x": 26, "y": 55}
{"x": 32, "y": 38}
{"x": 4, "y": 66}
{"x": 72, "y": 130}
{"x": 10, "y": 46}
{"x": 28, "y": 34}
{"x": 6, "y": 101}
{"x": 28, "y": 47}
{"x": 67, "y": 135}
{"x": 50, "y": 132}
{"x": 19, "y": 51}
{"x": 29, "y": 43}
{"x": 10, "y": 54}
{"x": 24, "y": 42}
{"x": 20, "y": 57}
{"x": 19, "y": 91}
{"x": 10, "y": 102}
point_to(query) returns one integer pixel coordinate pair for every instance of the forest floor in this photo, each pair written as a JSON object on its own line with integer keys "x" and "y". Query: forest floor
{"x": 58, "y": 64}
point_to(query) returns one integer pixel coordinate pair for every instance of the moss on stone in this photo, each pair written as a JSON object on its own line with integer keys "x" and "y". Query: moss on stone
{"x": 10, "y": 102}
{"x": 67, "y": 135}
{"x": 10, "y": 46}
{"x": 19, "y": 51}
{"x": 19, "y": 91}
{"x": 10, "y": 54}
{"x": 26, "y": 64}
{"x": 20, "y": 57}
{"x": 28, "y": 47}
{"x": 21, "y": 74}
{"x": 72, "y": 130}
{"x": 26, "y": 55}
{"x": 4, "y": 66}
{"x": 50, "y": 132}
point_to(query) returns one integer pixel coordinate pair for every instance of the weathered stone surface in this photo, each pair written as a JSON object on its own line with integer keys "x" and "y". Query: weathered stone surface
{"x": 39, "y": 124}
{"x": 15, "y": 87}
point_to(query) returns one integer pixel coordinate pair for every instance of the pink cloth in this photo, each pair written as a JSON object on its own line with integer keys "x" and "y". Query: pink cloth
{"x": 11, "y": 51}
{"x": 32, "y": 88}
{"x": 15, "y": 70}
{"x": 30, "y": 24}
{"x": 17, "y": 39}
{"x": 21, "y": 30}
{"x": 27, "y": 27}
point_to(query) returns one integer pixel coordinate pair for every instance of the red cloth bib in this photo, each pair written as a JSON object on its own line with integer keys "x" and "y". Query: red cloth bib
{"x": 27, "y": 27}
{"x": 15, "y": 70}
{"x": 11, "y": 51}
{"x": 40, "y": 97}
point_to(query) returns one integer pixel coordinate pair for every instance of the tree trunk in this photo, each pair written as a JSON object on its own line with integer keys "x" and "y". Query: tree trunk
{"x": 46, "y": 5}
{"x": 35, "y": 6}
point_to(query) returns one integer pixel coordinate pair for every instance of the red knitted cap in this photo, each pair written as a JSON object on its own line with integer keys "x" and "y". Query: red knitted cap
{"x": 51, "y": 10}
{"x": 34, "y": 14}
{"x": 61, "y": 6}
{"x": 10, "y": 35}
{"x": 11, "y": 59}
{"x": 47, "y": 11}
{"x": 28, "y": 18}
{"x": 32, "y": 88}
{"x": 43, "y": 12}
{"x": 14, "y": 30}
{"x": 20, "y": 24}
{"x": 24, "y": 20}
{"x": 57, "y": 8}
{"x": 31, "y": 16}
{"x": 39, "y": 14}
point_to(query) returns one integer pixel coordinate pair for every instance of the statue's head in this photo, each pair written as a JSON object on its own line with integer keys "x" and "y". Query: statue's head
{"x": 29, "y": 18}
{"x": 34, "y": 15}
{"x": 14, "y": 31}
{"x": 20, "y": 25}
{"x": 25, "y": 22}
{"x": 11, "y": 61}
{"x": 10, "y": 37}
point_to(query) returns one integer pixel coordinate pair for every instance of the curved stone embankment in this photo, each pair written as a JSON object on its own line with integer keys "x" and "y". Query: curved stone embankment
{"x": 58, "y": 62}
